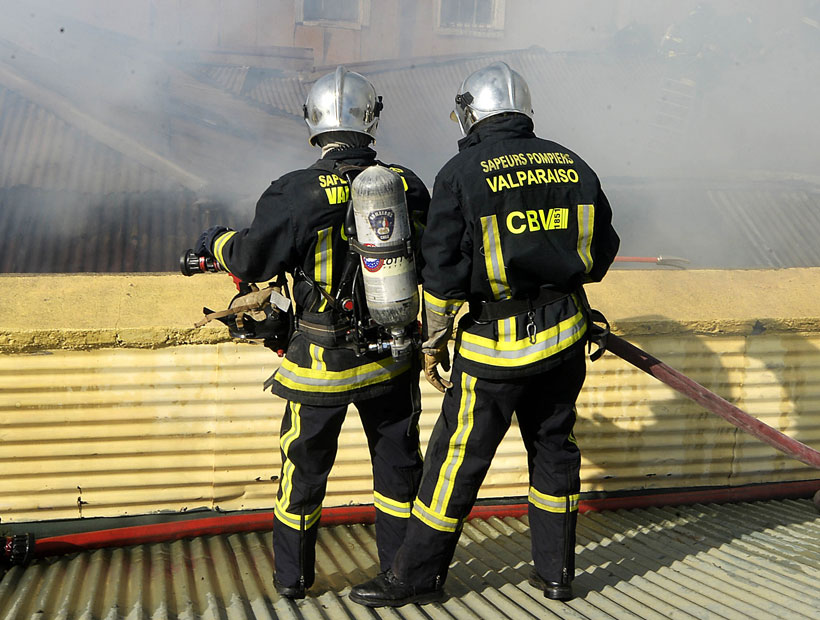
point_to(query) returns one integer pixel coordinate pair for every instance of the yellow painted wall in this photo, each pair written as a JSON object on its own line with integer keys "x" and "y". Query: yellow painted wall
{"x": 111, "y": 403}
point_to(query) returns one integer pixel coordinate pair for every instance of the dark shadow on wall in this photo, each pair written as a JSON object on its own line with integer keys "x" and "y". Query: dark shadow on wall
{"x": 680, "y": 440}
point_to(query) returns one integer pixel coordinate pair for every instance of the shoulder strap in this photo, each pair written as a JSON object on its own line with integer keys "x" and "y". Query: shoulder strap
{"x": 333, "y": 165}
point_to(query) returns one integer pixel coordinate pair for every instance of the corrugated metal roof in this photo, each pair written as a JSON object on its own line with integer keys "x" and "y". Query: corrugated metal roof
{"x": 228, "y": 77}
{"x": 728, "y": 223}
{"x": 59, "y": 231}
{"x": 165, "y": 119}
{"x": 721, "y": 222}
{"x": 758, "y": 560}
{"x": 42, "y": 151}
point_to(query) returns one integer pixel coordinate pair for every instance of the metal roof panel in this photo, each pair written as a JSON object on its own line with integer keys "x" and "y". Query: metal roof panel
{"x": 756, "y": 560}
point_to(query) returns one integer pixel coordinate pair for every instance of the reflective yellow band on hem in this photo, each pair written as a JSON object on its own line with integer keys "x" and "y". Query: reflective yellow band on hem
{"x": 442, "y": 306}
{"x": 294, "y": 521}
{"x": 437, "y": 521}
{"x": 553, "y": 503}
{"x": 391, "y": 506}
{"x": 295, "y": 377}
{"x": 511, "y": 354}
{"x": 219, "y": 245}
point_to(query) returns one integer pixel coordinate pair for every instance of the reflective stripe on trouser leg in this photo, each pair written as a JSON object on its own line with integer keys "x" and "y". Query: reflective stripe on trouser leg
{"x": 397, "y": 463}
{"x": 473, "y": 421}
{"x": 546, "y": 416}
{"x": 308, "y": 441}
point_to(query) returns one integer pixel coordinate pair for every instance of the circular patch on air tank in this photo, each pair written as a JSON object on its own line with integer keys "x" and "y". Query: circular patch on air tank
{"x": 372, "y": 264}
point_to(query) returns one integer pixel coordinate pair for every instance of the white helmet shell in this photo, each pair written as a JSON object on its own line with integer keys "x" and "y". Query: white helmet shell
{"x": 495, "y": 89}
{"x": 342, "y": 101}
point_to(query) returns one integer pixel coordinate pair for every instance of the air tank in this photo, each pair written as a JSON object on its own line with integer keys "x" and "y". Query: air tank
{"x": 383, "y": 223}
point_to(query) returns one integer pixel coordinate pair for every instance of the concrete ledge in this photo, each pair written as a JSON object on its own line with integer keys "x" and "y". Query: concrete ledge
{"x": 737, "y": 302}
{"x": 89, "y": 311}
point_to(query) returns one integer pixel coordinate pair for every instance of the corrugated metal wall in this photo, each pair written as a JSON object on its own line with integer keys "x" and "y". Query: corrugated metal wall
{"x": 128, "y": 431}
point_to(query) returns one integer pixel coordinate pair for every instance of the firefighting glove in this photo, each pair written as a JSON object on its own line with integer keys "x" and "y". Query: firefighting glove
{"x": 432, "y": 359}
{"x": 437, "y": 329}
{"x": 205, "y": 243}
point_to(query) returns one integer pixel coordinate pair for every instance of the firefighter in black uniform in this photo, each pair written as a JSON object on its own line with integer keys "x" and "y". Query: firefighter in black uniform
{"x": 517, "y": 225}
{"x": 299, "y": 228}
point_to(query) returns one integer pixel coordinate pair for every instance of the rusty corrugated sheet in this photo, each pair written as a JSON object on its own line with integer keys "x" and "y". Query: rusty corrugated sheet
{"x": 112, "y": 432}
{"x": 751, "y": 561}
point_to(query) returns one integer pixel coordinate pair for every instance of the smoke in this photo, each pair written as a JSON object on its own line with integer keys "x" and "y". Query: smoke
{"x": 142, "y": 101}
{"x": 203, "y": 98}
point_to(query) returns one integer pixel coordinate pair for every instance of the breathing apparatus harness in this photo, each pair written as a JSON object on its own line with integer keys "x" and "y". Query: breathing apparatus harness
{"x": 349, "y": 324}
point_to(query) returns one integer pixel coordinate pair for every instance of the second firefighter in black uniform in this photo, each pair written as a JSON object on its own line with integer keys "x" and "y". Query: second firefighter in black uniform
{"x": 517, "y": 225}
{"x": 299, "y": 228}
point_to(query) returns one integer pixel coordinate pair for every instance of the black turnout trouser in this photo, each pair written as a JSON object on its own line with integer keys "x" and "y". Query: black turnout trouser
{"x": 476, "y": 413}
{"x": 308, "y": 442}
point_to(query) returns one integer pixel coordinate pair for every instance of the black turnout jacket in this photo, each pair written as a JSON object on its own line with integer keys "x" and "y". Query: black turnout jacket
{"x": 299, "y": 225}
{"x": 513, "y": 214}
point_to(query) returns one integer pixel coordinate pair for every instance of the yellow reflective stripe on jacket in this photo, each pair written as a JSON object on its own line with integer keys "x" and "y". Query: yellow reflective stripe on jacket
{"x": 457, "y": 447}
{"x": 522, "y": 352}
{"x": 506, "y": 330}
{"x": 219, "y": 245}
{"x": 436, "y": 520}
{"x": 295, "y": 377}
{"x": 493, "y": 259}
{"x": 586, "y": 224}
{"x": 391, "y": 506}
{"x": 553, "y": 503}
{"x": 316, "y": 357}
{"x": 323, "y": 263}
{"x": 294, "y": 520}
{"x": 442, "y": 306}
{"x": 285, "y": 441}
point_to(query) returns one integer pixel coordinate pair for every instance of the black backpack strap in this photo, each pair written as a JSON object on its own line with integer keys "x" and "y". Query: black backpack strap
{"x": 597, "y": 327}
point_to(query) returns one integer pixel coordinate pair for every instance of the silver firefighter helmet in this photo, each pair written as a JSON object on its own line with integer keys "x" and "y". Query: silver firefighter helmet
{"x": 495, "y": 89}
{"x": 342, "y": 101}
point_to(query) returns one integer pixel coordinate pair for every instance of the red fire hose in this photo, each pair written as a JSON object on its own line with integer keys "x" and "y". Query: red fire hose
{"x": 711, "y": 401}
{"x": 670, "y": 261}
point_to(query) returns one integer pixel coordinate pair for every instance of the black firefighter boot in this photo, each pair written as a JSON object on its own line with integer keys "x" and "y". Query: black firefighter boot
{"x": 387, "y": 590}
{"x": 551, "y": 589}
{"x": 16, "y": 550}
